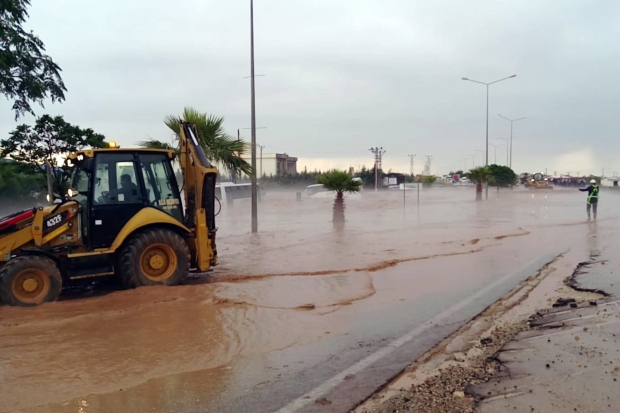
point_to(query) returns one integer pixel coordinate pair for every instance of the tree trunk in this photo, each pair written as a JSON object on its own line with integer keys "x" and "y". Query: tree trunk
{"x": 478, "y": 191}
{"x": 338, "y": 217}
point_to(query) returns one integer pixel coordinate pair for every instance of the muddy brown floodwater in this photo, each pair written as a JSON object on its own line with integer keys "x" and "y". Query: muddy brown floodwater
{"x": 285, "y": 306}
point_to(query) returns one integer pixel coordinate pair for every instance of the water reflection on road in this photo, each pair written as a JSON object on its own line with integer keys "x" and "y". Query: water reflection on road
{"x": 296, "y": 282}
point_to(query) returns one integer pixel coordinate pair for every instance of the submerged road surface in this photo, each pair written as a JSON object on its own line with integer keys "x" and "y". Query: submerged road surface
{"x": 299, "y": 318}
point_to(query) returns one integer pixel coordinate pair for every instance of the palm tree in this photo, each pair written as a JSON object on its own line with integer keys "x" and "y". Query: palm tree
{"x": 340, "y": 182}
{"x": 479, "y": 175}
{"x": 219, "y": 147}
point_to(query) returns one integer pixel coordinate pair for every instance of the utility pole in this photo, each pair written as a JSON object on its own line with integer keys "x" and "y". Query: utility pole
{"x": 427, "y": 166}
{"x": 380, "y": 168}
{"x": 378, "y": 152}
{"x": 234, "y": 174}
{"x": 411, "y": 164}
{"x": 261, "y": 159}
{"x": 253, "y": 116}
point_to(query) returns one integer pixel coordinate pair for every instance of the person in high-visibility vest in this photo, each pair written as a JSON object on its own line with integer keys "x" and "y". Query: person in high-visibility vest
{"x": 592, "y": 197}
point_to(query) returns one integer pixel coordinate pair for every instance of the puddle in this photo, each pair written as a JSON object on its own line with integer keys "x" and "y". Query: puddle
{"x": 291, "y": 284}
{"x": 298, "y": 292}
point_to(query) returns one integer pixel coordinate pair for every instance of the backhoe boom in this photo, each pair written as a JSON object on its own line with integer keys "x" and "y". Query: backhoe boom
{"x": 199, "y": 178}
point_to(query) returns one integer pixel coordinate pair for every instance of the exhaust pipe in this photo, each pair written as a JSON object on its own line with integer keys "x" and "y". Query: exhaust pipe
{"x": 50, "y": 186}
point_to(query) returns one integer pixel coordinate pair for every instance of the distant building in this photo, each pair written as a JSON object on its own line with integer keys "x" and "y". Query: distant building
{"x": 393, "y": 179}
{"x": 273, "y": 164}
{"x": 610, "y": 182}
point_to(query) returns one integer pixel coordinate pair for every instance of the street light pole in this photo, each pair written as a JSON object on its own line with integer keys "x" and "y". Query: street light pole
{"x": 253, "y": 120}
{"x": 495, "y": 145}
{"x": 480, "y": 150}
{"x": 507, "y": 140}
{"x": 511, "y": 122}
{"x": 487, "y": 130}
{"x": 261, "y": 147}
{"x": 473, "y": 160}
{"x": 261, "y": 159}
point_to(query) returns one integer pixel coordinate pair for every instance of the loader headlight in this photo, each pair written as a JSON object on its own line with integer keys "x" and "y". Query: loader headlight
{"x": 71, "y": 193}
{"x": 47, "y": 198}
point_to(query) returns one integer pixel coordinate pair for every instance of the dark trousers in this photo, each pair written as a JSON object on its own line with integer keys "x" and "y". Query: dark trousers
{"x": 592, "y": 206}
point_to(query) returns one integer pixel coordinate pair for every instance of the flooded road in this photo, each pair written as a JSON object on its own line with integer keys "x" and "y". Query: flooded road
{"x": 300, "y": 317}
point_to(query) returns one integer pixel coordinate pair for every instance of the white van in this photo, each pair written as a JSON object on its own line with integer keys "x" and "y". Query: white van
{"x": 227, "y": 192}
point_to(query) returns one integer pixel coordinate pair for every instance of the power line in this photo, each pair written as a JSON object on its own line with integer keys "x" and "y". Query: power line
{"x": 378, "y": 152}
{"x": 411, "y": 164}
{"x": 427, "y": 166}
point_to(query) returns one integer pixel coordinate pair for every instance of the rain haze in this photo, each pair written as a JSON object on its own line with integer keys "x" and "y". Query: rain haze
{"x": 341, "y": 77}
{"x": 158, "y": 283}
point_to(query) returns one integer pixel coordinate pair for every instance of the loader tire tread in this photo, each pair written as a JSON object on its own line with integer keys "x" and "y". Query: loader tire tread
{"x": 44, "y": 266}
{"x": 130, "y": 262}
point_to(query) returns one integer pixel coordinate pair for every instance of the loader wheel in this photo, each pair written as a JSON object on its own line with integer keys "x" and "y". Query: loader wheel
{"x": 29, "y": 280}
{"x": 154, "y": 257}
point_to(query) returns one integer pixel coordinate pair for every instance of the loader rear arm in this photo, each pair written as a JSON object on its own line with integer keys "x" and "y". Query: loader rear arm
{"x": 199, "y": 178}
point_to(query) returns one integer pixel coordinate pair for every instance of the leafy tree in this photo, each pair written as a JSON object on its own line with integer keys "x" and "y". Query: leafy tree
{"x": 340, "y": 182}
{"x": 27, "y": 74}
{"x": 217, "y": 144}
{"x": 478, "y": 175}
{"x": 49, "y": 139}
{"x": 429, "y": 179}
{"x": 368, "y": 176}
{"x": 501, "y": 176}
{"x": 16, "y": 186}
{"x": 301, "y": 179}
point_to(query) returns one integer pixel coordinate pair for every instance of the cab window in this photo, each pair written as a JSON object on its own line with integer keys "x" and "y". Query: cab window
{"x": 161, "y": 186}
{"x": 79, "y": 181}
{"x": 115, "y": 180}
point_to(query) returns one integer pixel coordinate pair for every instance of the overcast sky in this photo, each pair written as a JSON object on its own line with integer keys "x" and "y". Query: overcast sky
{"x": 344, "y": 75}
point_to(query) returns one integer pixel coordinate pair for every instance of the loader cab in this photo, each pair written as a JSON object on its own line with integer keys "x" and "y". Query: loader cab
{"x": 113, "y": 185}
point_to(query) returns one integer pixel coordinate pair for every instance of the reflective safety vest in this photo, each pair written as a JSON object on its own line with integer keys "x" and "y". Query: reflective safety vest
{"x": 593, "y": 195}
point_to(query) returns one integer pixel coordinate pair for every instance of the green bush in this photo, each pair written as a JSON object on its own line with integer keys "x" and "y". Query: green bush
{"x": 17, "y": 185}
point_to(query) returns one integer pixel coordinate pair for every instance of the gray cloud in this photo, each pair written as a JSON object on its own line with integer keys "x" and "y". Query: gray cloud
{"x": 344, "y": 76}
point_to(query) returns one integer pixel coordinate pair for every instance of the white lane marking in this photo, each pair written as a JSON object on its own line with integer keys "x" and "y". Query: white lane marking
{"x": 313, "y": 394}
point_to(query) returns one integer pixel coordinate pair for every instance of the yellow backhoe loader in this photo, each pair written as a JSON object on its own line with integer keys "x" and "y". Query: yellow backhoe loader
{"x": 538, "y": 181}
{"x": 123, "y": 216}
